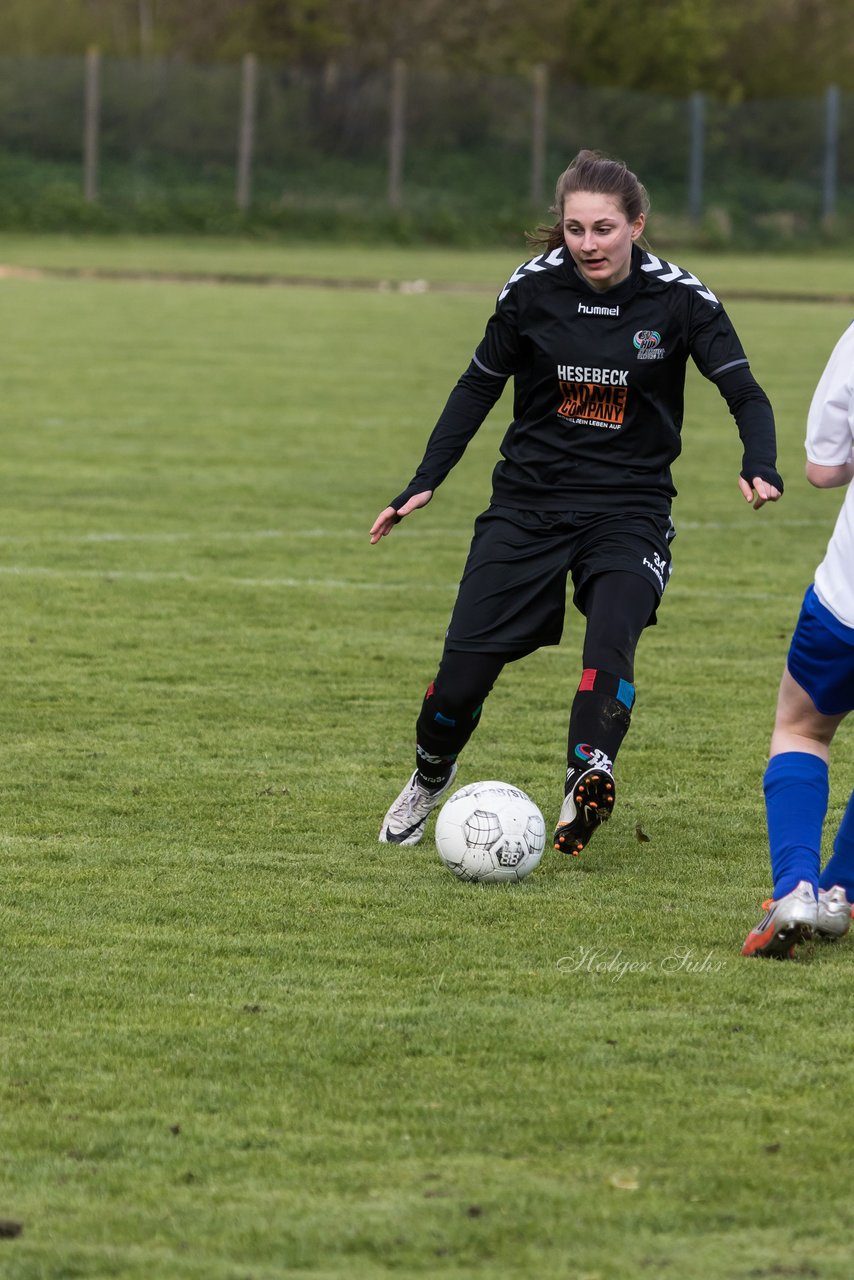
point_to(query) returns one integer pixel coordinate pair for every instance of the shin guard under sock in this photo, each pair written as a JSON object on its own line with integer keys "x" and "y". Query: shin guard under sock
{"x": 796, "y": 793}
{"x": 442, "y": 730}
{"x": 840, "y": 867}
{"x": 598, "y": 722}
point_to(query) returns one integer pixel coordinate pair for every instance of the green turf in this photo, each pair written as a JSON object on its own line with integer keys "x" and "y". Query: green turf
{"x": 240, "y": 1039}
{"x": 828, "y": 274}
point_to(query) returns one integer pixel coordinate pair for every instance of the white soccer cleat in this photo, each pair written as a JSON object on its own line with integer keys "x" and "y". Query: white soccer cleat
{"x": 789, "y": 920}
{"x": 834, "y": 913}
{"x": 406, "y": 819}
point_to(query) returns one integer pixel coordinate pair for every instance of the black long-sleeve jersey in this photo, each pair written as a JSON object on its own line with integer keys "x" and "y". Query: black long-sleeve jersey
{"x": 599, "y": 379}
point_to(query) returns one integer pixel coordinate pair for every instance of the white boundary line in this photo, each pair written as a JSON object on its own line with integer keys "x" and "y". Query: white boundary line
{"x": 322, "y": 584}
{"x": 72, "y": 539}
{"x": 258, "y": 535}
{"x": 209, "y": 580}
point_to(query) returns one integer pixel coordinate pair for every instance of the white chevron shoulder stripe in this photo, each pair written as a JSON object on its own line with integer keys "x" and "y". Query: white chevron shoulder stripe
{"x": 542, "y": 262}
{"x": 668, "y": 272}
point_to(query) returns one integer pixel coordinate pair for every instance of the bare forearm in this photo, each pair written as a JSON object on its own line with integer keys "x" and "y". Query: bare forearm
{"x": 830, "y": 477}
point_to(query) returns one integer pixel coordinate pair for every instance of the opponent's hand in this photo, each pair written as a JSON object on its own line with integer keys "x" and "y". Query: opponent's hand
{"x": 387, "y": 519}
{"x": 760, "y": 492}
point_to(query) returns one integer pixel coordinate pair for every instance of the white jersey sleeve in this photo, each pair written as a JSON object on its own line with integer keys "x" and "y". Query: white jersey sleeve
{"x": 830, "y": 437}
{"x": 830, "y": 423}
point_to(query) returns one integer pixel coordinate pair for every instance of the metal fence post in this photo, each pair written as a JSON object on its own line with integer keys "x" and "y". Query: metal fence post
{"x": 92, "y": 111}
{"x": 831, "y": 150}
{"x": 146, "y": 28}
{"x": 695, "y": 170}
{"x": 538, "y": 132}
{"x": 246, "y": 132}
{"x": 397, "y": 132}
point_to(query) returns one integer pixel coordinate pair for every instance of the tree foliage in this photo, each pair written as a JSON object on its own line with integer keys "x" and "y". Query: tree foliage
{"x": 765, "y": 49}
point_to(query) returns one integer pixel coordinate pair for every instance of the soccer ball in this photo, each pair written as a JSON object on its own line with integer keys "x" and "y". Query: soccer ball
{"x": 490, "y": 832}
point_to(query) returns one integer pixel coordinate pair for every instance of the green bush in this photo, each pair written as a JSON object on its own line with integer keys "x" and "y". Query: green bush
{"x": 324, "y": 200}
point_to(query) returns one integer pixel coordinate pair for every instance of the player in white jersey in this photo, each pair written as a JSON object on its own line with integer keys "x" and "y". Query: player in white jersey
{"x": 816, "y": 694}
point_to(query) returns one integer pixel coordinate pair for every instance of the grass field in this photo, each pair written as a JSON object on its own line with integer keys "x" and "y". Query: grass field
{"x": 242, "y": 1040}
{"x": 825, "y": 274}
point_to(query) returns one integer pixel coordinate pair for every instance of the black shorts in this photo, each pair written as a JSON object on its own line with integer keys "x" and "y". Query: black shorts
{"x": 512, "y": 597}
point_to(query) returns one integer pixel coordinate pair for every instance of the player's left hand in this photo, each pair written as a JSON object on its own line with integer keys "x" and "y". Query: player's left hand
{"x": 759, "y": 492}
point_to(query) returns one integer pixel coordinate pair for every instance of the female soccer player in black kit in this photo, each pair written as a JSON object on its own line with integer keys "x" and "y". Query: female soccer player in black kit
{"x": 596, "y": 334}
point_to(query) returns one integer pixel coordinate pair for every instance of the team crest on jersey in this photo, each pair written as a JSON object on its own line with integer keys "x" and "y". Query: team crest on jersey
{"x": 647, "y": 343}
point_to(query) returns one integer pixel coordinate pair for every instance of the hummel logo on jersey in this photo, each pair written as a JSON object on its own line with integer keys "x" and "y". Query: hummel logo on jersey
{"x": 542, "y": 262}
{"x": 584, "y": 310}
{"x": 668, "y": 271}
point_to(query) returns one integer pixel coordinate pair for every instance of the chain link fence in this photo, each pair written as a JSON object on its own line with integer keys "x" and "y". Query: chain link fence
{"x": 97, "y": 142}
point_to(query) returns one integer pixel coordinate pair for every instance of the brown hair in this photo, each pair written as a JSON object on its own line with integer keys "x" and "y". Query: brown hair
{"x": 593, "y": 172}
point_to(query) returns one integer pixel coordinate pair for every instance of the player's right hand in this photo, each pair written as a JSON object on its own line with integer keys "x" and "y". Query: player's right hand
{"x": 759, "y": 492}
{"x": 387, "y": 519}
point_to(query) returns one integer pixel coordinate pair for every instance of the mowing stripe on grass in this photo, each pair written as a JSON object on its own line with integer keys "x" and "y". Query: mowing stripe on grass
{"x": 9, "y": 271}
{"x": 208, "y": 580}
{"x": 202, "y": 537}
{"x": 321, "y": 584}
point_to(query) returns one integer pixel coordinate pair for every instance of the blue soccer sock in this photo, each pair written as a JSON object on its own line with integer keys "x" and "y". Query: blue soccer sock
{"x": 840, "y": 867}
{"x": 796, "y": 794}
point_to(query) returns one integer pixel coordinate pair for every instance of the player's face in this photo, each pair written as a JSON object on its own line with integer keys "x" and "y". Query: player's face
{"x": 600, "y": 237}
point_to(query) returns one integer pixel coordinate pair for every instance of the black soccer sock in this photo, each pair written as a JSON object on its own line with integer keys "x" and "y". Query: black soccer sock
{"x": 598, "y": 722}
{"x": 450, "y": 712}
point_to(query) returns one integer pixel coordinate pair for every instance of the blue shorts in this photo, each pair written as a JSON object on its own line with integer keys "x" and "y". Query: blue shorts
{"x": 821, "y": 657}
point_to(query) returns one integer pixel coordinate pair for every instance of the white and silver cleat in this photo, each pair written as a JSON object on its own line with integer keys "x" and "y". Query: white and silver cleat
{"x": 789, "y": 921}
{"x": 406, "y": 819}
{"x": 833, "y": 919}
